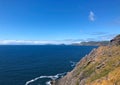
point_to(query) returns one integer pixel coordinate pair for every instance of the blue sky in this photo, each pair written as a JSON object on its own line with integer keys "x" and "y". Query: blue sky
{"x": 58, "y": 21}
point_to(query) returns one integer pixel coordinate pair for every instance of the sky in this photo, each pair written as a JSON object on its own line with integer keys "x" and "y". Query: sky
{"x": 58, "y": 21}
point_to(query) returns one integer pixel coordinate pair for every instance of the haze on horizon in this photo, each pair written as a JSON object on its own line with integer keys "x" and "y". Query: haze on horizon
{"x": 58, "y": 21}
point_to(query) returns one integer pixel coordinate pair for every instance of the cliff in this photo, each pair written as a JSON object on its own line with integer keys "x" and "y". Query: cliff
{"x": 100, "y": 67}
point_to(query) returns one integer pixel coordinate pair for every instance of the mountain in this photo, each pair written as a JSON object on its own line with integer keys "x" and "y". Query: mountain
{"x": 92, "y": 43}
{"x": 100, "y": 67}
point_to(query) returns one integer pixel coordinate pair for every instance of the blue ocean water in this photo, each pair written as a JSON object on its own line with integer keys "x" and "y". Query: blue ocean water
{"x": 37, "y": 64}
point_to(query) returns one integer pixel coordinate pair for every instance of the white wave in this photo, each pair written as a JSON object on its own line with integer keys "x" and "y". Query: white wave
{"x": 48, "y": 83}
{"x": 49, "y": 77}
{"x": 73, "y": 63}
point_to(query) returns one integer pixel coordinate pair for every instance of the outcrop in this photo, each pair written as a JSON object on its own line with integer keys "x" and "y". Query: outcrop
{"x": 115, "y": 41}
{"x": 100, "y": 67}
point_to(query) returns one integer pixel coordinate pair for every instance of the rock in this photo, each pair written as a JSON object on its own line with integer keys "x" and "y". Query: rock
{"x": 100, "y": 66}
{"x": 115, "y": 41}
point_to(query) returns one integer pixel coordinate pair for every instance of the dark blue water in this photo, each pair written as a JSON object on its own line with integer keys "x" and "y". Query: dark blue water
{"x": 19, "y": 64}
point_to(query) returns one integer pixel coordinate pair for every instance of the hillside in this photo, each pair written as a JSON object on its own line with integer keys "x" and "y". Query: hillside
{"x": 100, "y": 67}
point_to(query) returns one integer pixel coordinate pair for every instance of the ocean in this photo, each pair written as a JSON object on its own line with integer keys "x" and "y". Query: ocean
{"x": 38, "y": 64}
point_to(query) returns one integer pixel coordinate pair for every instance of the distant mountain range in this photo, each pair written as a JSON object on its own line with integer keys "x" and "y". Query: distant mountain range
{"x": 92, "y": 43}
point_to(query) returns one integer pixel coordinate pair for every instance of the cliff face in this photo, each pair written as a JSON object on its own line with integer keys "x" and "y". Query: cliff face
{"x": 100, "y": 67}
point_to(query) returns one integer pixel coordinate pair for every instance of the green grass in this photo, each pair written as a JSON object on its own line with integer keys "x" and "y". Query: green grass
{"x": 77, "y": 83}
{"x": 100, "y": 75}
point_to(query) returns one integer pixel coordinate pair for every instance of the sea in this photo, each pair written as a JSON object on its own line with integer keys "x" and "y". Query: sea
{"x": 38, "y": 64}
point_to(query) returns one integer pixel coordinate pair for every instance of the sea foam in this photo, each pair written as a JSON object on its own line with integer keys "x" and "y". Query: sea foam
{"x": 73, "y": 64}
{"x": 49, "y": 77}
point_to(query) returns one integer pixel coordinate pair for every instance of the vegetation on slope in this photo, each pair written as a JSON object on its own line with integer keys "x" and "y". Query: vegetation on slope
{"x": 100, "y": 67}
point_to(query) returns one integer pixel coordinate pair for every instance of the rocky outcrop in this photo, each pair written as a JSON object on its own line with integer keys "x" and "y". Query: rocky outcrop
{"x": 100, "y": 67}
{"x": 115, "y": 41}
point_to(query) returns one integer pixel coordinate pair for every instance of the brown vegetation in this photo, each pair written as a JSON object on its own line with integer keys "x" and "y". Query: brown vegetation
{"x": 100, "y": 67}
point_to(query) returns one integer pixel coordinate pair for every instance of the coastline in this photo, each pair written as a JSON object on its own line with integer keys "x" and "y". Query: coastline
{"x": 99, "y": 67}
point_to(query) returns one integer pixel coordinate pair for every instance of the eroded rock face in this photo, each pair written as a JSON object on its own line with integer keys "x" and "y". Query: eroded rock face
{"x": 100, "y": 67}
{"x": 115, "y": 41}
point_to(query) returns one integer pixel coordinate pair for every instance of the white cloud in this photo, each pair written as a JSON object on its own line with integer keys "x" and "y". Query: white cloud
{"x": 36, "y": 42}
{"x": 25, "y": 42}
{"x": 91, "y": 16}
{"x": 107, "y": 37}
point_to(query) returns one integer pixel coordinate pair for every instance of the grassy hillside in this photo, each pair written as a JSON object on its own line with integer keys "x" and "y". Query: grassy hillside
{"x": 100, "y": 67}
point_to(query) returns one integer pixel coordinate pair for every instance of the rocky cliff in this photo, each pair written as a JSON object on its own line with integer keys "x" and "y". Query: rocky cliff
{"x": 100, "y": 67}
